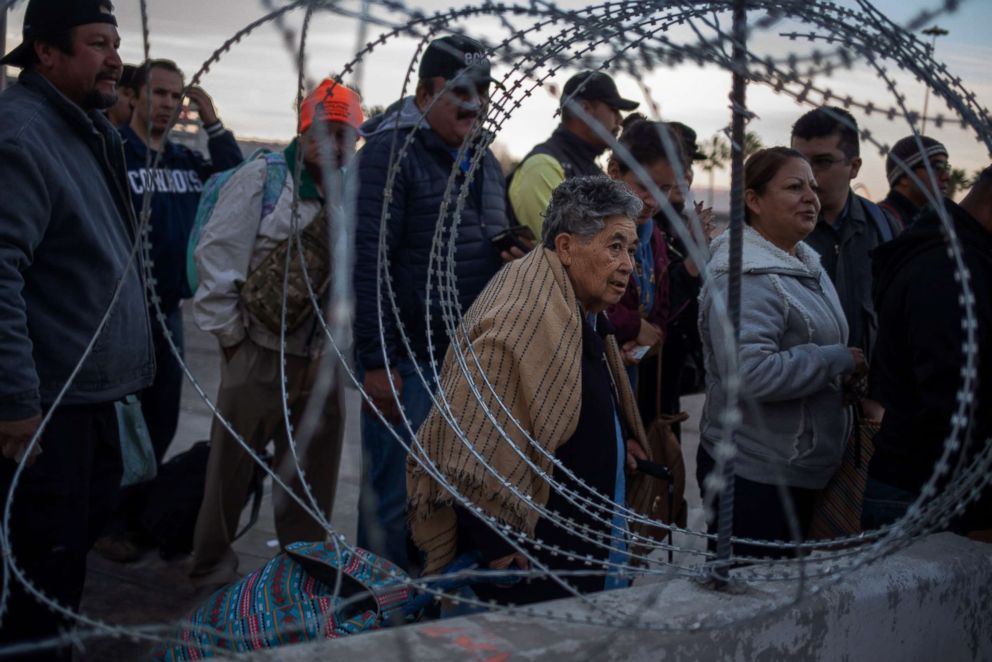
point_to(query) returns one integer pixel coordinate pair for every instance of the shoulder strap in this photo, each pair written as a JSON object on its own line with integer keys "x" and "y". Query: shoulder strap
{"x": 881, "y": 220}
{"x": 275, "y": 175}
{"x": 276, "y": 171}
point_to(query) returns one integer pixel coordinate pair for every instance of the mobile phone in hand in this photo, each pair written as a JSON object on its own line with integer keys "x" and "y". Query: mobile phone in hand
{"x": 638, "y": 352}
{"x": 511, "y": 237}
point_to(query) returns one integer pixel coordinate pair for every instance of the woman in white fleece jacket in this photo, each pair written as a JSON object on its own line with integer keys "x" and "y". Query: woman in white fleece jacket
{"x": 792, "y": 357}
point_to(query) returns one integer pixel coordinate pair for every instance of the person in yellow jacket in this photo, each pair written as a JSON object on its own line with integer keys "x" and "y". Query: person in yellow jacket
{"x": 572, "y": 149}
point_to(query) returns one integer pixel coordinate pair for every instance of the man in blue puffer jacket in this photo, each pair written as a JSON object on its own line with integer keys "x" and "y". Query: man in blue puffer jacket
{"x": 422, "y": 135}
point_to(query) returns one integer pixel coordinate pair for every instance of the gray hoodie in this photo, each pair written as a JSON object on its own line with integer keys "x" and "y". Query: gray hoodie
{"x": 793, "y": 352}
{"x": 402, "y": 114}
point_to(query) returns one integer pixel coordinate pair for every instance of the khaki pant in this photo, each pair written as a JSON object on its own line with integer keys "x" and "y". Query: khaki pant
{"x": 251, "y": 401}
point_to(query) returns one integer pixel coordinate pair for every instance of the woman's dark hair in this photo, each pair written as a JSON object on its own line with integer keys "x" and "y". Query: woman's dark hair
{"x": 643, "y": 139}
{"x": 761, "y": 168}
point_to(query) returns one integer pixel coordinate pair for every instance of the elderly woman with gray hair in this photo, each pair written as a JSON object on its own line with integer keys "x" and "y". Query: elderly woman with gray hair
{"x": 539, "y": 397}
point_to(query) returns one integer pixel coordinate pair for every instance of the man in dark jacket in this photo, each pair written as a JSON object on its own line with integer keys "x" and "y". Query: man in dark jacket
{"x": 173, "y": 176}
{"x": 572, "y": 149}
{"x": 911, "y": 183}
{"x": 849, "y": 226}
{"x": 920, "y": 358}
{"x": 68, "y": 273}
{"x": 426, "y": 139}
{"x": 682, "y": 354}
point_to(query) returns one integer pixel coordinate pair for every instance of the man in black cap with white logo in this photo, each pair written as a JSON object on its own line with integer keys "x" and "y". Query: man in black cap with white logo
{"x": 68, "y": 274}
{"x": 572, "y": 149}
{"x": 443, "y": 116}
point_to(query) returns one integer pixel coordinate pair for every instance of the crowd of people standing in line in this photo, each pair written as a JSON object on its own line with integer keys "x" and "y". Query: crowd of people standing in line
{"x": 566, "y": 276}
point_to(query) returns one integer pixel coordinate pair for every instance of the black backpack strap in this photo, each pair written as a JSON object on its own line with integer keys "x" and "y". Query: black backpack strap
{"x": 256, "y": 494}
{"x": 885, "y": 231}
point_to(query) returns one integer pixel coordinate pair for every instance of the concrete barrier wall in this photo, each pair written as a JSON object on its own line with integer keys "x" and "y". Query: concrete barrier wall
{"x": 930, "y": 602}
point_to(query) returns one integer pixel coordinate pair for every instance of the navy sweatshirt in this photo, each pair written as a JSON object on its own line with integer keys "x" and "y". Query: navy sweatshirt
{"x": 176, "y": 183}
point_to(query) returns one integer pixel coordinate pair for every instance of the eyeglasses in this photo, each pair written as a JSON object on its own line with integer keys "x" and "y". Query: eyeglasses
{"x": 825, "y": 162}
{"x": 938, "y": 166}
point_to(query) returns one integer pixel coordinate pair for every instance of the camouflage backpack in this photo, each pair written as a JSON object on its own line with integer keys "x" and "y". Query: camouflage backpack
{"x": 309, "y": 259}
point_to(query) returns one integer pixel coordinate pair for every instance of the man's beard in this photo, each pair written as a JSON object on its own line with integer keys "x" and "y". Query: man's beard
{"x": 97, "y": 100}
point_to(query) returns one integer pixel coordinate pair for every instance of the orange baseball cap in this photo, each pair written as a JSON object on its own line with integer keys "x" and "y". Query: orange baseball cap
{"x": 331, "y": 101}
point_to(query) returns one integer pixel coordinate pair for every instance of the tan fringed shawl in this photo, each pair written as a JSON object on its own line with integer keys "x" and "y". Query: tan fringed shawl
{"x": 526, "y": 331}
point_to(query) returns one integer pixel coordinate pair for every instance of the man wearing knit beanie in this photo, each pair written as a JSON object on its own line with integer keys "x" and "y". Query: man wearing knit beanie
{"x": 908, "y": 195}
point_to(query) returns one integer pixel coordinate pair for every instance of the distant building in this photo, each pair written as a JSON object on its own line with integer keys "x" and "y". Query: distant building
{"x": 249, "y": 145}
{"x": 188, "y": 131}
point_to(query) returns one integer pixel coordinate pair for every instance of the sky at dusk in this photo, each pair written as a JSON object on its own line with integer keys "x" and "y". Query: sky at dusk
{"x": 254, "y": 85}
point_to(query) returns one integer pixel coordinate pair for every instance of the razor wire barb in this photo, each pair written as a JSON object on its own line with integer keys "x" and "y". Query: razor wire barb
{"x": 541, "y": 41}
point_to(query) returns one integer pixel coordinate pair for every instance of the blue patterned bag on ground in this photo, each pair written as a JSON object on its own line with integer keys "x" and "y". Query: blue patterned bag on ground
{"x": 291, "y": 600}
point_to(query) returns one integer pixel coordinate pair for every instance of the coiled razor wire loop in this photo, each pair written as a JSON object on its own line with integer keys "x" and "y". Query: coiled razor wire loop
{"x": 628, "y": 37}
{"x": 731, "y": 418}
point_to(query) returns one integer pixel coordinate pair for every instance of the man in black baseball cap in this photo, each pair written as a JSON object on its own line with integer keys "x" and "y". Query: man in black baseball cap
{"x": 457, "y": 58}
{"x": 590, "y": 105}
{"x": 460, "y": 64}
{"x": 595, "y": 86}
{"x": 67, "y": 229}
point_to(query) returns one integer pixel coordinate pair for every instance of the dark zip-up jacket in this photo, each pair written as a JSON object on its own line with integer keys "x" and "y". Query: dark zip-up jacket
{"x": 917, "y": 369}
{"x": 176, "y": 183}
{"x": 900, "y": 208}
{"x": 859, "y": 235}
{"x": 67, "y": 230}
{"x": 412, "y": 211}
{"x": 576, "y": 156}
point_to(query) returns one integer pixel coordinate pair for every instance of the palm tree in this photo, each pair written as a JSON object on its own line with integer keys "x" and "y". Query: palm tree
{"x": 717, "y": 151}
{"x": 752, "y": 143}
{"x": 372, "y": 111}
{"x": 958, "y": 181}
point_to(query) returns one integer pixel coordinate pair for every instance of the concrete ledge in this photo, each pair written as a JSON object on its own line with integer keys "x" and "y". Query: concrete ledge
{"x": 932, "y": 601}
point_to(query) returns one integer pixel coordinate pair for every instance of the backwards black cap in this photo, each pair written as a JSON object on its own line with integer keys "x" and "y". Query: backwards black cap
{"x": 44, "y": 18}
{"x": 689, "y": 144}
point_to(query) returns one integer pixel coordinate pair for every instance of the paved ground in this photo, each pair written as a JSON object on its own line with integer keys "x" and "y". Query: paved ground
{"x": 155, "y": 591}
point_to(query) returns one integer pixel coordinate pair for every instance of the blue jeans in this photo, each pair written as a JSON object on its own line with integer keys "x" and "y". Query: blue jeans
{"x": 382, "y": 527}
{"x": 884, "y": 504}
